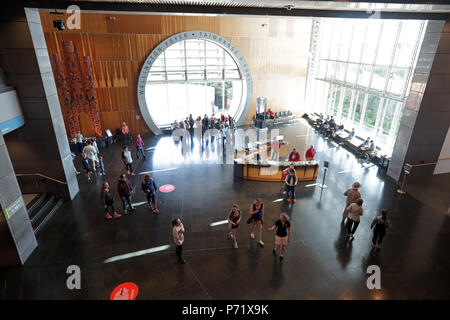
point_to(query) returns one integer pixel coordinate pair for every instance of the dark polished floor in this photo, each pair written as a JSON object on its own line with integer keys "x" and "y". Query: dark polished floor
{"x": 319, "y": 263}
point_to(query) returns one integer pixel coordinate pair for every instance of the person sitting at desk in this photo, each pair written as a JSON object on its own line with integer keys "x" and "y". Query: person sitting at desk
{"x": 366, "y": 151}
{"x": 269, "y": 114}
{"x": 294, "y": 155}
{"x": 365, "y": 144}
{"x": 175, "y": 125}
{"x": 310, "y": 153}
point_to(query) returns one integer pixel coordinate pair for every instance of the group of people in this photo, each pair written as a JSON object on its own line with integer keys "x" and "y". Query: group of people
{"x": 90, "y": 155}
{"x": 328, "y": 126}
{"x": 205, "y": 123}
{"x": 125, "y": 191}
{"x": 353, "y": 212}
{"x": 294, "y": 155}
{"x": 366, "y": 148}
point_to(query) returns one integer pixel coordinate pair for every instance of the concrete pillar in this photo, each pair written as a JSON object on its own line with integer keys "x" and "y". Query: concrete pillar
{"x": 426, "y": 117}
{"x": 17, "y": 239}
{"x": 41, "y": 145}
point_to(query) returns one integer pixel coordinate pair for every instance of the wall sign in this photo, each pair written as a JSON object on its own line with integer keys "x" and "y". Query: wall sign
{"x": 194, "y": 34}
{"x": 14, "y": 207}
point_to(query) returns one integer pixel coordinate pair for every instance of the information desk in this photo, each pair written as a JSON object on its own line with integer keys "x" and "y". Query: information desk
{"x": 269, "y": 171}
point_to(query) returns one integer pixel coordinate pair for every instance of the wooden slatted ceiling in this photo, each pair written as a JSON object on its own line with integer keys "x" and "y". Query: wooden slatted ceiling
{"x": 277, "y": 56}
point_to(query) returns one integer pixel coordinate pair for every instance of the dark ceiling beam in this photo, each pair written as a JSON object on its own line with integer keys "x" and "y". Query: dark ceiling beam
{"x": 139, "y": 7}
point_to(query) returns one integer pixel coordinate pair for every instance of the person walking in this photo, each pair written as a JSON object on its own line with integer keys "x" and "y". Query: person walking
{"x": 379, "y": 225}
{"x": 139, "y": 146}
{"x": 282, "y": 235}
{"x": 107, "y": 197}
{"x": 150, "y": 189}
{"x": 234, "y": 218}
{"x": 86, "y": 166}
{"x": 90, "y": 153}
{"x": 256, "y": 219}
{"x": 275, "y": 148}
{"x": 79, "y": 141}
{"x": 101, "y": 165}
{"x": 291, "y": 182}
{"x": 125, "y": 190}
{"x": 355, "y": 211}
{"x": 178, "y": 237}
{"x": 127, "y": 160}
{"x": 352, "y": 195}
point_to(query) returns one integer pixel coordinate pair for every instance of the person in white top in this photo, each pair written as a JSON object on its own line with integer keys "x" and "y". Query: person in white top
{"x": 91, "y": 154}
{"x": 355, "y": 211}
{"x": 127, "y": 160}
{"x": 79, "y": 141}
{"x": 178, "y": 237}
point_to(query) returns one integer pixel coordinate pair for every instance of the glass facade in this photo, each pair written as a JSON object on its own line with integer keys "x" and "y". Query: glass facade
{"x": 195, "y": 77}
{"x": 360, "y": 71}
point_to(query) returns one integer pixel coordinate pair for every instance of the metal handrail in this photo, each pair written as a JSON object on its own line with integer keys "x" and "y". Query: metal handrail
{"x": 429, "y": 163}
{"x": 40, "y": 175}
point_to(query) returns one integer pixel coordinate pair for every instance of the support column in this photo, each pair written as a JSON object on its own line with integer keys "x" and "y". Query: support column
{"x": 426, "y": 117}
{"x": 17, "y": 239}
{"x": 41, "y": 145}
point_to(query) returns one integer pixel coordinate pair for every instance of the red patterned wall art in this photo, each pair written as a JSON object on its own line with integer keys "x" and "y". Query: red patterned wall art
{"x": 75, "y": 82}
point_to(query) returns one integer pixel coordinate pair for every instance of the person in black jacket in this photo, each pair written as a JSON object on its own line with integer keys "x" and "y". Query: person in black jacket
{"x": 291, "y": 182}
{"x": 125, "y": 190}
{"x": 107, "y": 198}
{"x": 150, "y": 189}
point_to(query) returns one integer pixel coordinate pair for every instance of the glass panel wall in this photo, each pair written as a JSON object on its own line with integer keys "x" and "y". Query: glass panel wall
{"x": 195, "y": 77}
{"x": 363, "y": 72}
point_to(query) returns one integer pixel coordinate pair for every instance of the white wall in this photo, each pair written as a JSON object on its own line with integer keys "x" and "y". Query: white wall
{"x": 443, "y": 166}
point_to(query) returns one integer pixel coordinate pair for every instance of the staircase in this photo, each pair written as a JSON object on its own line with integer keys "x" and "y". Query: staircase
{"x": 41, "y": 209}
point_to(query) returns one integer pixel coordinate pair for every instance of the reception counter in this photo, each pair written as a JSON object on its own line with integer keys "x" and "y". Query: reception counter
{"x": 273, "y": 170}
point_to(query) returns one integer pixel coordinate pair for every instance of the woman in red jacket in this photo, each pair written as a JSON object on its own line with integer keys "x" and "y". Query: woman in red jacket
{"x": 294, "y": 155}
{"x": 310, "y": 153}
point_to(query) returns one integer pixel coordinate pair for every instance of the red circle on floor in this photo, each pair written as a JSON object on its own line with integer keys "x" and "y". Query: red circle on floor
{"x": 125, "y": 291}
{"x": 167, "y": 188}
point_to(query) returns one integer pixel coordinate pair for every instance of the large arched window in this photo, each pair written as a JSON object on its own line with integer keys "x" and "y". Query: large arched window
{"x": 194, "y": 73}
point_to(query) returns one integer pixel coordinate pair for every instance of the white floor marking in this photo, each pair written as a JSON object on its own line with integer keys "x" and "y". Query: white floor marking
{"x": 278, "y": 200}
{"x": 218, "y": 223}
{"x": 311, "y": 185}
{"x": 160, "y": 170}
{"x": 137, "y": 204}
{"x": 136, "y": 253}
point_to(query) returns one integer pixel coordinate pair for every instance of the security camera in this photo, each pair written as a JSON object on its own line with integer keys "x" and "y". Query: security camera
{"x": 59, "y": 24}
{"x": 289, "y": 7}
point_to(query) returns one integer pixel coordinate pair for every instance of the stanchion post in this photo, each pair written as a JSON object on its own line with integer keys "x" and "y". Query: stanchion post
{"x": 325, "y": 167}
{"x": 406, "y": 170}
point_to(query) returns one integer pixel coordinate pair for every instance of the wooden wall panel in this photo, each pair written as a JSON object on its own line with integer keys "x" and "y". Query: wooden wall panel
{"x": 276, "y": 53}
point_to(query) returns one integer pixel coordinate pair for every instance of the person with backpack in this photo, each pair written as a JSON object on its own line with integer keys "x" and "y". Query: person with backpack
{"x": 150, "y": 190}
{"x": 234, "y": 218}
{"x": 125, "y": 190}
{"x": 291, "y": 182}
{"x": 379, "y": 225}
{"x": 352, "y": 195}
{"x": 107, "y": 198}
